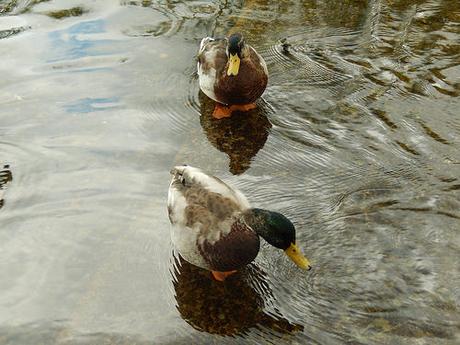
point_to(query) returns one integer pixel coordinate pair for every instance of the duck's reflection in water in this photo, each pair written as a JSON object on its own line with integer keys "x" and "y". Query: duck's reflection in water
{"x": 225, "y": 308}
{"x": 240, "y": 136}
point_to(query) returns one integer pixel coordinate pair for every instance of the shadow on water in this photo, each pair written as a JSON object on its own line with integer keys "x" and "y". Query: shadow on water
{"x": 240, "y": 136}
{"x": 229, "y": 308}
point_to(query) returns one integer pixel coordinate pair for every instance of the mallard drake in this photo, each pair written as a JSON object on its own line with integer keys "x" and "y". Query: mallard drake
{"x": 231, "y": 73}
{"x": 214, "y": 227}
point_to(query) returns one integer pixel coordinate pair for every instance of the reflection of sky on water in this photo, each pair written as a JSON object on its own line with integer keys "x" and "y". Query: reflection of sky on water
{"x": 81, "y": 41}
{"x": 88, "y": 105}
{"x": 75, "y": 42}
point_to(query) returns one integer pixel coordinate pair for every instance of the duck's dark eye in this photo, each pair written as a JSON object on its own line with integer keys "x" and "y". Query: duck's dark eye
{"x": 182, "y": 180}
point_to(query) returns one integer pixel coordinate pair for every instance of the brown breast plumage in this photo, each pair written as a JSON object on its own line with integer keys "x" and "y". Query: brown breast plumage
{"x": 232, "y": 251}
{"x": 244, "y": 88}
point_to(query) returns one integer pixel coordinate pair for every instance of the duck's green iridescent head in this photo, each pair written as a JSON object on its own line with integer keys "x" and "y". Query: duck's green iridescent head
{"x": 278, "y": 231}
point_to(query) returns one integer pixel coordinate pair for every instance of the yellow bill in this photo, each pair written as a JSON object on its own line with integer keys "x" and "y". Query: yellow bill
{"x": 296, "y": 255}
{"x": 233, "y": 64}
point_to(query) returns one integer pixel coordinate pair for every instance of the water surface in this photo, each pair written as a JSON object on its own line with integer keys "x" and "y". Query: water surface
{"x": 356, "y": 139}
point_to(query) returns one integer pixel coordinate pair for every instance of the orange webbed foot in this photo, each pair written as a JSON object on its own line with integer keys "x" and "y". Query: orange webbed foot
{"x": 221, "y": 111}
{"x": 221, "y": 276}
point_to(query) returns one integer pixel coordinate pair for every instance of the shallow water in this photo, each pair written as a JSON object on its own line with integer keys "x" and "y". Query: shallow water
{"x": 356, "y": 139}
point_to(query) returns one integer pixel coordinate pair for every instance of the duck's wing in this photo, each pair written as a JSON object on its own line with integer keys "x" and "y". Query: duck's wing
{"x": 212, "y": 53}
{"x": 198, "y": 199}
{"x": 212, "y": 59}
{"x": 258, "y": 59}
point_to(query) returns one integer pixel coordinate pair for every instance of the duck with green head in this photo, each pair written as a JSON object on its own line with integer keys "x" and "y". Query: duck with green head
{"x": 231, "y": 73}
{"x": 214, "y": 227}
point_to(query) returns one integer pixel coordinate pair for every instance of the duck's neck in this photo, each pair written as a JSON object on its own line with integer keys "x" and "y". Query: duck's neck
{"x": 257, "y": 219}
{"x": 272, "y": 226}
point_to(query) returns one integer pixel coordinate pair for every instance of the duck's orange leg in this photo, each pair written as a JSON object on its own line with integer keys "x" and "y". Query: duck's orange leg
{"x": 221, "y": 111}
{"x": 220, "y": 276}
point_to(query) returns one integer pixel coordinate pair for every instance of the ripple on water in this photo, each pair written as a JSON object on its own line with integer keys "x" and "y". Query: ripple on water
{"x": 289, "y": 63}
{"x": 15, "y": 7}
{"x": 177, "y": 100}
{"x": 161, "y": 23}
{"x": 5, "y": 178}
{"x": 13, "y": 31}
{"x": 182, "y": 18}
